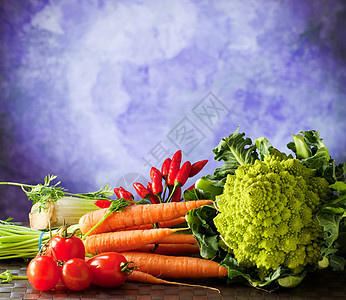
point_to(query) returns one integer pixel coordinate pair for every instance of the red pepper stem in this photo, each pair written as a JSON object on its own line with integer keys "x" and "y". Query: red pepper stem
{"x": 172, "y": 192}
{"x": 159, "y": 197}
{"x": 164, "y": 192}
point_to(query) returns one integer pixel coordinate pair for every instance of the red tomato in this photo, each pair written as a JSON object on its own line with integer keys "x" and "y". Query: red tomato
{"x": 66, "y": 248}
{"x": 106, "y": 269}
{"x": 76, "y": 274}
{"x": 43, "y": 273}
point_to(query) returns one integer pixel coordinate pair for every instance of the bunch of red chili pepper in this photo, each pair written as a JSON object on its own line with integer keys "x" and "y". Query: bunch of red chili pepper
{"x": 165, "y": 185}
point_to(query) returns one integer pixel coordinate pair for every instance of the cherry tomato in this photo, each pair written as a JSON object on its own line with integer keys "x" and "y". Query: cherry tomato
{"x": 76, "y": 274}
{"x": 66, "y": 248}
{"x": 106, "y": 269}
{"x": 43, "y": 273}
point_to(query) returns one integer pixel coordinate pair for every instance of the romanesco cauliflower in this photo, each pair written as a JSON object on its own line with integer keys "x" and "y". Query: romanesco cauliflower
{"x": 267, "y": 214}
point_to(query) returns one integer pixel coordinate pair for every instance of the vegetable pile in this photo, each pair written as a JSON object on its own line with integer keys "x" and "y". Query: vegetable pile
{"x": 152, "y": 232}
{"x": 265, "y": 218}
{"x": 278, "y": 217}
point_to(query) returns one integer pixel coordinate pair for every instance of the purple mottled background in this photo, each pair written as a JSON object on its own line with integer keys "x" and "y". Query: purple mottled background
{"x": 96, "y": 92}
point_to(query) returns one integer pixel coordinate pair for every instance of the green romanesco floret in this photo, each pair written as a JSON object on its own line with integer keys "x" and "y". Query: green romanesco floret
{"x": 267, "y": 214}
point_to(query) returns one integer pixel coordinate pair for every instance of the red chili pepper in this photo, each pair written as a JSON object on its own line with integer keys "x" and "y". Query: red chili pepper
{"x": 183, "y": 174}
{"x": 141, "y": 190}
{"x": 125, "y": 194}
{"x": 174, "y": 167}
{"x": 103, "y": 203}
{"x": 156, "y": 181}
{"x": 130, "y": 195}
{"x": 154, "y": 199}
{"x": 117, "y": 193}
{"x": 197, "y": 167}
{"x": 165, "y": 168}
{"x": 177, "y": 195}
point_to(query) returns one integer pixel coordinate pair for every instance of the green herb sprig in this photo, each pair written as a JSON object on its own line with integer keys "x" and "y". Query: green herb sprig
{"x": 41, "y": 193}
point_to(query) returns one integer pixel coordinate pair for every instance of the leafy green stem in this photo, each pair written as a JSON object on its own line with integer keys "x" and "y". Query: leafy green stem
{"x": 116, "y": 206}
{"x": 52, "y": 192}
{"x": 172, "y": 193}
{"x": 7, "y": 276}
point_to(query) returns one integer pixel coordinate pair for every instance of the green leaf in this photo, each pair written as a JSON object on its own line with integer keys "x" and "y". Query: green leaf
{"x": 209, "y": 187}
{"x": 235, "y": 151}
{"x": 263, "y": 146}
{"x": 196, "y": 194}
{"x": 235, "y": 271}
{"x": 330, "y": 223}
{"x": 291, "y": 281}
{"x": 300, "y": 147}
{"x": 336, "y": 262}
{"x": 312, "y": 153}
{"x": 200, "y": 221}
{"x": 340, "y": 172}
{"x": 337, "y": 206}
{"x": 340, "y": 187}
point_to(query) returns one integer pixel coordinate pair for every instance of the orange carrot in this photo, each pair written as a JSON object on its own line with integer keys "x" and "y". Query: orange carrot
{"x": 177, "y": 239}
{"x": 166, "y": 266}
{"x": 119, "y": 241}
{"x": 170, "y": 249}
{"x": 136, "y": 215}
{"x": 163, "y": 224}
{"x": 139, "y": 276}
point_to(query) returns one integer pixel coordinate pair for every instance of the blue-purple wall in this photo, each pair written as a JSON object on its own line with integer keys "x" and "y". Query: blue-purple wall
{"x": 98, "y": 91}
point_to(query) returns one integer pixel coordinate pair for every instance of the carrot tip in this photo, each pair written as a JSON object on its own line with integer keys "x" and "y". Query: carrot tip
{"x": 144, "y": 277}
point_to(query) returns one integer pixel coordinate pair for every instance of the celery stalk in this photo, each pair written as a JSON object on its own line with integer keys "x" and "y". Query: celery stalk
{"x": 18, "y": 241}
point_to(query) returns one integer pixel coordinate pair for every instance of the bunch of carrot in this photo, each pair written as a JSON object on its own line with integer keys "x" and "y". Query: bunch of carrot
{"x": 131, "y": 229}
{"x": 156, "y": 252}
